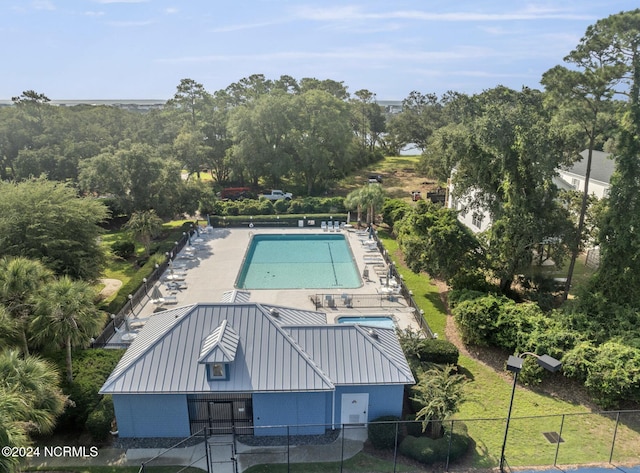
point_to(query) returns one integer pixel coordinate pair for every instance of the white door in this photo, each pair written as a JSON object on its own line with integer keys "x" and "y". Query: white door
{"x": 355, "y": 408}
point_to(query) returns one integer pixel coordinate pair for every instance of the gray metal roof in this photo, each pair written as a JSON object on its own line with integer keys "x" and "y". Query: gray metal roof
{"x": 164, "y": 356}
{"x": 265, "y": 352}
{"x": 236, "y": 296}
{"x": 352, "y": 354}
{"x": 220, "y": 346}
{"x": 602, "y": 166}
{"x": 288, "y": 316}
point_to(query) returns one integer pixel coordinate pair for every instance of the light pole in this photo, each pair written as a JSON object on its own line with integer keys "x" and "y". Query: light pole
{"x": 131, "y": 303}
{"x": 144, "y": 280}
{"x": 514, "y": 364}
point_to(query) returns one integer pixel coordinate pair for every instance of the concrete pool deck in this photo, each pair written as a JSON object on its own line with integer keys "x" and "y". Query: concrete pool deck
{"x": 210, "y": 267}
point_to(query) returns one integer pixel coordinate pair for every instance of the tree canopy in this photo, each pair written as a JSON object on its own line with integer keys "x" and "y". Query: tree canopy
{"x": 49, "y": 222}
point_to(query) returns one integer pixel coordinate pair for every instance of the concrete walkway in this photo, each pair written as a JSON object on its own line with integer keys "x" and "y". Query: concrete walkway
{"x": 210, "y": 267}
{"x": 223, "y": 454}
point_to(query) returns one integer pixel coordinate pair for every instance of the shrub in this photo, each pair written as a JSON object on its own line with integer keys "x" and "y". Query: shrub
{"x": 99, "y": 421}
{"x": 477, "y": 318}
{"x": 382, "y": 432}
{"x": 435, "y": 350}
{"x": 394, "y": 210}
{"x": 428, "y": 451}
{"x": 615, "y": 374}
{"x": 281, "y": 206}
{"x": 123, "y": 249}
{"x": 412, "y": 426}
{"x": 91, "y": 369}
{"x": 456, "y": 296}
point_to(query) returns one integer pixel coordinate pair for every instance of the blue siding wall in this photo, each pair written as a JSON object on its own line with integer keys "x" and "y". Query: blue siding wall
{"x": 383, "y": 400}
{"x": 304, "y": 409}
{"x": 152, "y": 415}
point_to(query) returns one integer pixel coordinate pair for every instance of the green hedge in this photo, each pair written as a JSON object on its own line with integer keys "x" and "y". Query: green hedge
{"x": 275, "y": 220}
{"x": 91, "y": 368}
{"x": 429, "y": 451}
{"x": 382, "y": 432}
{"x": 99, "y": 421}
{"x": 262, "y": 207}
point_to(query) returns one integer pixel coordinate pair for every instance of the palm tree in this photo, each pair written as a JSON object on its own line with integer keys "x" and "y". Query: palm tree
{"x": 354, "y": 200}
{"x": 20, "y": 279}
{"x": 144, "y": 225}
{"x": 373, "y": 198}
{"x": 30, "y": 401}
{"x": 36, "y": 383}
{"x": 370, "y": 197}
{"x": 440, "y": 392}
{"x": 65, "y": 314}
{"x": 12, "y": 432}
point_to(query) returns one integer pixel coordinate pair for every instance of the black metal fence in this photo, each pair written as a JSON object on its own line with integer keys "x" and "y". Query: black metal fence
{"x": 137, "y": 298}
{"x": 564, "y": 440}
{"x": 404, "y": 290}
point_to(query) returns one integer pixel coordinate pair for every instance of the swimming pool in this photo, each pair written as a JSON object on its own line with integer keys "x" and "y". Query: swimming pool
{"x": 375, "y": 321}
{"x": 298, "y": 261}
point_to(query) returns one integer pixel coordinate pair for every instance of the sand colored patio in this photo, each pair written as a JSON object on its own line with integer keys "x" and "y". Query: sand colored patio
{"x": 206, "y": 270}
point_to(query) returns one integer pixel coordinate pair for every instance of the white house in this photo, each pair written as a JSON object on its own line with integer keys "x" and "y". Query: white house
{"x": 602, "y": 167}
{"x": 574, "y": 177}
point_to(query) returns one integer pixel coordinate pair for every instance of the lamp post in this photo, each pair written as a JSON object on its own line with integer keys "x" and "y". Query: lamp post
{"x": 131, "y": 303}
{"x": 514, "y": 364}
{"x": 144, "y": 280}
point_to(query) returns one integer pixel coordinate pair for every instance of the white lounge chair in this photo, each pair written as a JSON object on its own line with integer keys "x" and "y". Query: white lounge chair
{"x": 323, "y": 226}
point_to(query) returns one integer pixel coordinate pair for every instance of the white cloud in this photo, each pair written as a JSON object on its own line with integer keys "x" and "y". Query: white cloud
{"x": 245, "y": 26}
{"x": 369, "y": 53}
{"x": 356, "y": 13}
{"x": 130, "y": 24}
{"x": 43, "y": 5}
{"x": 120, "y": 1}
{"x": 171, "y": 11}
{"x": 94, "y": 13}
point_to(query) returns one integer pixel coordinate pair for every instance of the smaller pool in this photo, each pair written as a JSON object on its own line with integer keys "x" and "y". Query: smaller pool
{"x": 374, "y": 321}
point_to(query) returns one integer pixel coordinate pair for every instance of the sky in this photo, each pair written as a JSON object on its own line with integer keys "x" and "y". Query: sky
{"x": 141, "y": 49}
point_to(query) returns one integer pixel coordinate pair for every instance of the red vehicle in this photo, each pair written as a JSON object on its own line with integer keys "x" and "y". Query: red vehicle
{"x": 235, "y": 193}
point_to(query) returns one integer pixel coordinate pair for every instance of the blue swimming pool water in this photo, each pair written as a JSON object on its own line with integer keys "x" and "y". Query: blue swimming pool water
{"x": 298, "y": 261}
{"x": 384, "y": 322}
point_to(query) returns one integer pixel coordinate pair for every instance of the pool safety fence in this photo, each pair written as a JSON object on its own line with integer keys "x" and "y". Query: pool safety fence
{"x": 283, "y": 220}
{"x": 406, "y": 293}
{"x": 565, "y": 441}
{"x": 135, "y": 300}
{"x": 354, "y": 301}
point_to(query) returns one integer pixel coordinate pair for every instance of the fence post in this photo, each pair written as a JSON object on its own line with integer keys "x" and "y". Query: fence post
{"x": 395, "y": 448}
{"x": 206, "y": 449}
{"x": 288, "y": 451}
{"x": 446, "y": 466}
{"x": 615, "y": 433}
{"x": 555, "y": 460}
{"x": 342, "y": 450}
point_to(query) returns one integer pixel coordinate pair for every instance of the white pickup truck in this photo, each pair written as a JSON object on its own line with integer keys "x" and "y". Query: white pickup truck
{"x": 277, "y": 195}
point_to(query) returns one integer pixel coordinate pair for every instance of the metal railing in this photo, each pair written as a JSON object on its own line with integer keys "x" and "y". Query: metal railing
{"x": 602, "y": 438}
{"x": 136, "y": 298}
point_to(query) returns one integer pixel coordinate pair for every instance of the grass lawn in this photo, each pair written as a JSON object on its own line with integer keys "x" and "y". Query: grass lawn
{"x": 587, "y": 436}
{"x": 425, "y": 293}
{"x": 116, "y": 469}
{"x": 362, "y": 462}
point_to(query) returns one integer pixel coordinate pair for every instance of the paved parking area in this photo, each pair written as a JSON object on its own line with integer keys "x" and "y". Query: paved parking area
{"x": 208, "y": 269}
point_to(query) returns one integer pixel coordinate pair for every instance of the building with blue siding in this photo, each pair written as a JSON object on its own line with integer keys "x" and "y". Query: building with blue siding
{"x": 254, "y": 368}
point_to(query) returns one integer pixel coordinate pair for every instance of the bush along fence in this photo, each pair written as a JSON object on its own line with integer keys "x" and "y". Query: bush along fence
{"x": 137, "y": 297}
{"x": 558, "y": 440}
{"x": 404, "y": 290}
